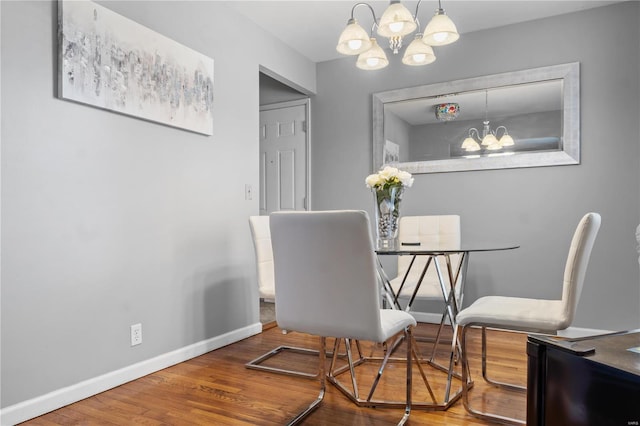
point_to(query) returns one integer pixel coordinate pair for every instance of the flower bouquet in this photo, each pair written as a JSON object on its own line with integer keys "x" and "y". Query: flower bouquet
{"x": 388, "y": 186}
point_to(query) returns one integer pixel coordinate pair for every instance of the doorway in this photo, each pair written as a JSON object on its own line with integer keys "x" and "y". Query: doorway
{"x": 284, "y": 156}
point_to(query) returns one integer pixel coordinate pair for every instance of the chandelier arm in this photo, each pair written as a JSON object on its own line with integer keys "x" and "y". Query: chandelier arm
{"x": 473, "y": 129}
{"x": 415, "y": 17}
{"x": 373, "y": 12}
{"x": 418, "y": 30}
{"x": 504, "y": 129}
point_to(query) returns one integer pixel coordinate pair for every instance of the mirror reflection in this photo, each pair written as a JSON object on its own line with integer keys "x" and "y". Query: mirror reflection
{"x": 519, "y": 119}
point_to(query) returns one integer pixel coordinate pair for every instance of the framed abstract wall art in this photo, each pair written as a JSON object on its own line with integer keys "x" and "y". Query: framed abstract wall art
{"x": 109, "y": 61}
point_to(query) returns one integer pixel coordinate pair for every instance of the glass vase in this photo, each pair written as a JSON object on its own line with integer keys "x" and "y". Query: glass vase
{"x": 387, "y": 215}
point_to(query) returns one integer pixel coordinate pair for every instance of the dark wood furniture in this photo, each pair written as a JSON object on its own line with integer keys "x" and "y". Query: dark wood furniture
{"x": 587, "y": 381}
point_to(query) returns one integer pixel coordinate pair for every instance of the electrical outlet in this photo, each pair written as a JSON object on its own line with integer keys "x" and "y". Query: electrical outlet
{"x": 136, "y": 334}
{"x": 248, "y": 192}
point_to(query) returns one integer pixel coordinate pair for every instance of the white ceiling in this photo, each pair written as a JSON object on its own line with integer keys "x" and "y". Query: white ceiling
{"x": 312, "y": 27}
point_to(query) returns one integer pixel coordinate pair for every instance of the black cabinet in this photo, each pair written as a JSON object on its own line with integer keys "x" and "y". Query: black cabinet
{"x": 589, "y": 381}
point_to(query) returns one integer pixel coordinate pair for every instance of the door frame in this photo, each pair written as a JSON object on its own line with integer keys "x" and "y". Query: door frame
{"x": 306, "y": 102}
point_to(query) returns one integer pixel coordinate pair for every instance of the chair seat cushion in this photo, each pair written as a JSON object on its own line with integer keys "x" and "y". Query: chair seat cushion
{"x": 515, "y": 312}
{"x": 393, "y": 321}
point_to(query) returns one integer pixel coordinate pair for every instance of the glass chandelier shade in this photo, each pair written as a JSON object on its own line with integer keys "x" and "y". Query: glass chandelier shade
{"x": 470, "y": 145}
{"x": 506, "y": 139}
{"x": 353, "y": 40}
{"x": 440, "y": 30}
{"x": 396, "y": 21}
{"x": 372, "y": 59}
{"x": 491, "y": 142}
{"x": 418, "y": 53}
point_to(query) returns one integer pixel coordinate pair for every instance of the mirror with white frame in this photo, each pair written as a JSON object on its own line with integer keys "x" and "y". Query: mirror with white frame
{"x": 532, "y": 118}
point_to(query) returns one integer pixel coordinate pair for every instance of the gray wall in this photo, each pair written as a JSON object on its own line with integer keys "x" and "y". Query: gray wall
{"x": 272, "y": 91}
{"x": 536, "y": 207}
{"x": 108, "y": 220}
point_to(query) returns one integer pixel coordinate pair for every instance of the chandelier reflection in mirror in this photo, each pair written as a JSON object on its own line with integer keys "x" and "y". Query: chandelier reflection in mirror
{"x": 395, "y": 23}
{"x": 489, "y": 139}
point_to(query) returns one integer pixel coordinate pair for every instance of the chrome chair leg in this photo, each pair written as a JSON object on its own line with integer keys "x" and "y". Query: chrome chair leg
{"x": 323, "y": 385}
{"x": 408, "y": 334}
{"x": 467, "y": 383}
{"x": 485, "y": 375}
{"x": 256, "y": 364}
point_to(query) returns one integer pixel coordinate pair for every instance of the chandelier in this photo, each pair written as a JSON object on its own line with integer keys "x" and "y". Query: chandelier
{"x": 489, "y": 139}
{"x": 395, "y": 23}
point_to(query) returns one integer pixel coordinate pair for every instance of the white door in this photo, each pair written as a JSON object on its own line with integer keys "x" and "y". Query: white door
{"x": 283, "y": 157}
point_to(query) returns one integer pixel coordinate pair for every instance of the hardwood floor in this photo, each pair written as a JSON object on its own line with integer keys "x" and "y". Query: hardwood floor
{"x": 216, "y": 389}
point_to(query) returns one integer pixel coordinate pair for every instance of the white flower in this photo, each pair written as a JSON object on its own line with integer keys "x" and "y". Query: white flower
{"x": 373, "y": 180}
{"x": 389, "y": 172}
{"x": 389, "y": 176}
{"x": 405, "y": 178}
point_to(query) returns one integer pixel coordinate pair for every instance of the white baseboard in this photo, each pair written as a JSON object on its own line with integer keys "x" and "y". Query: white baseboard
{"x": 59, "y": 398}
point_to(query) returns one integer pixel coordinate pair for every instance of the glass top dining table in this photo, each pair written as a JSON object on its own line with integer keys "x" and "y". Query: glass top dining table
{"x": 452, "y": 296}
{"x": 434, "y": 251}
{"x": 407, "y": 248}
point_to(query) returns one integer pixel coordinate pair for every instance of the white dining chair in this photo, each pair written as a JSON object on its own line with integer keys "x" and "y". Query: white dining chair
{"x": 428, "y": 231}
{"x": 261, "y": 235}
{"x": 527, "y": 315}
{"x": 326, "y": 285}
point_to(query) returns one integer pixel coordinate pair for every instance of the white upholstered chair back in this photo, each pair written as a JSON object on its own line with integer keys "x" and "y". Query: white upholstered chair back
{"x": 326, "y": 282}
{"x": 526, "y": 314}
{"x": 264, "y": 255}
{"x": 576, "y": 265}
{"x": 327, "y": 285}
{"x": 430, "y": 231}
